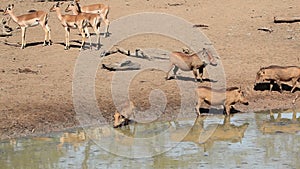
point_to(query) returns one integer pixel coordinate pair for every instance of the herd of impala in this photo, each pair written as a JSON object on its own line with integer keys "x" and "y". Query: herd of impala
{"x": 92, "y": 16}
{"x": 82, "y": 18}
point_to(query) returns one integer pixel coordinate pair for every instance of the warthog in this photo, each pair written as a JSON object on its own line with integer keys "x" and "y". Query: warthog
{"x": 221, "y": 97}
{"x": 190, "y": 62}
{"x": 122, "y": 118}
{"x": 279, "y": 74}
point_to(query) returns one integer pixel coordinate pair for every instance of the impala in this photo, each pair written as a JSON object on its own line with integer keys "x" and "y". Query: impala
{"x": 94, "y": 19}
{"x": 97, "y": 9}
{"x": 30, "y": 20}
{"x": 71, "y": 22}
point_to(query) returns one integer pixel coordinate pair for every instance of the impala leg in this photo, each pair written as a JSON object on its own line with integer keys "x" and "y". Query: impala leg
{"x": 97, "y": 30}
{"x": 49, "y": 34}
{"x": 23, "y": 43}
{"x": 86, "y": 30}
{"x": 83, "y": 38}
{"x": 106, "y": 27}
{"x": 67, "y": 35}
{"x": 106, "y": 21}
{"x": 46, "y": 34}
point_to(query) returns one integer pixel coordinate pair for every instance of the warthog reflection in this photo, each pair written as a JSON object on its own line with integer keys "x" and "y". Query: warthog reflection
{"x": 206, "y": 136}
{"x": 74, "y": 139}
{"x": 280, "y": 125}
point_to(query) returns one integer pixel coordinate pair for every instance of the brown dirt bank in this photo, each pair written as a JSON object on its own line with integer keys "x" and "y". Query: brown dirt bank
{"x": 42, "y": 102}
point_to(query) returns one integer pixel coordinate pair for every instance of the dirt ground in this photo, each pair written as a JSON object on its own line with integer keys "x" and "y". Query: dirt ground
{"x": 41, "y": 102}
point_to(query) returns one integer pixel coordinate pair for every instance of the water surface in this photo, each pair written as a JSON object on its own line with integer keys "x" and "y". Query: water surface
{"x": 245, "y": 140}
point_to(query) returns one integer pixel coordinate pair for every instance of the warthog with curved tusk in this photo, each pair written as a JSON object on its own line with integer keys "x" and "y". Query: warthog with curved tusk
{"x": 190, "y": 62}
{"x": 279, "y": 74}
{"x": 221, "y": 97}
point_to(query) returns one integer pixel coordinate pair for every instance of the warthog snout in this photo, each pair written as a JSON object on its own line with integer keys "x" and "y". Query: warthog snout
{"x": 246, "y": 103}
{"x": 242, "y": 98}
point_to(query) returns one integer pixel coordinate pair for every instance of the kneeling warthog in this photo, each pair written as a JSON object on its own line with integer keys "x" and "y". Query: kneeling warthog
{"x": 227, "y": 97}
{"x": 279, "y": 74}
{"x": 122, "y": 117}
{"x": 190, "y": 62}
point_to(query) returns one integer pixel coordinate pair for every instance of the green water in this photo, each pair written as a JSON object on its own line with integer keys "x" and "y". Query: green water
{"x": 246, "y": 140}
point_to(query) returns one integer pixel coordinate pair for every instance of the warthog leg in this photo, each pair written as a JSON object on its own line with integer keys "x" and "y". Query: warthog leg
{"x": 195, "y": 71}
{"x": 227, "y": 109}
{"x": 271, "y": 85}
{"x": 294, "y": 82}
{"x": 279, "y": 84}
{"x": 199, "y": 105}
{"x": 200, "y": 71}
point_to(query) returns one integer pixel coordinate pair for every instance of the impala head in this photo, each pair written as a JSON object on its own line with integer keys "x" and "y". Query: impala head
{"x": 9, "y": 9}
{"x": 74, "y": 5}
{"x": 56, "y": 6}
{"x": 211, "y": 59}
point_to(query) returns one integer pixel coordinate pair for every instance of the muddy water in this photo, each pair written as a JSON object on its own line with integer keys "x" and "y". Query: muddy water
{"x": 246, "y": 140}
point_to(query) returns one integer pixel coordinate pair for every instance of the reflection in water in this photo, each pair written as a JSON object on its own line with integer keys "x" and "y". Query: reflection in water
{"x": 72, "y": 138}
{"x": 212, "y": 142}
{"x": 214, "y": 132}
{"x": 287, "y": 124}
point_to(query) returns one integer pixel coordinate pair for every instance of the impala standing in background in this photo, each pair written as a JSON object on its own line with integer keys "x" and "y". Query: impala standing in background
{"x": 94, "y": 19}
{"x": 71, "y": 21}
{"x": 30, "y": 20}
{"x": 97, "y": 9}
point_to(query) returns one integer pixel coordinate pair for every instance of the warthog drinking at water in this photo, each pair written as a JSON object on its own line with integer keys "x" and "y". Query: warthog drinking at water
{"x": 279, "y": 74}
{"x": 220, "y": 97}
{"x": 122, "y": 117}
{"x": 190, "y": 62}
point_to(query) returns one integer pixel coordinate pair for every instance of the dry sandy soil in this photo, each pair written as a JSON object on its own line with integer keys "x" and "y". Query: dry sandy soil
{"x": 42, "y": 102}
